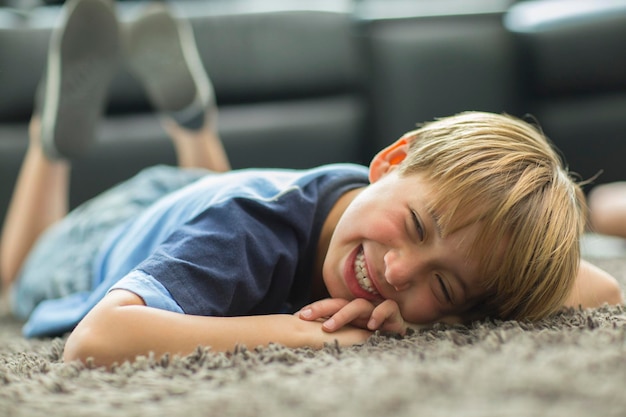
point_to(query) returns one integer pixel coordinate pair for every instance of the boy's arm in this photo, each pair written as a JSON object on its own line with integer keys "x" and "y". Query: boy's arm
{"x": 121, "y": 327}
{"x": 594, "y": 287}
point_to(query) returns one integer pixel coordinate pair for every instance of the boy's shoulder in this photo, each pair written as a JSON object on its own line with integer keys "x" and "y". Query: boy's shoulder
{"x": 261, "y": 186}
{"x": 327, "y": 181}
{"x": 267, "y": 182}
{"x": 329, "y": 170}
{"x": 334, "y": 172}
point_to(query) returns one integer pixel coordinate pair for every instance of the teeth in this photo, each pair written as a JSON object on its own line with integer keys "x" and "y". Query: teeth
{"x": 361, "y": 274}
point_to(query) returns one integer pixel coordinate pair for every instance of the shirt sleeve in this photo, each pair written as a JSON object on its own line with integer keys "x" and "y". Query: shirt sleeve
{"x": 151, "y": 291}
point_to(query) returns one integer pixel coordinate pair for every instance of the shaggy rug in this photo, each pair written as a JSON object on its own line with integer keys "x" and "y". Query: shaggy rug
{"x": 572, "y": 364}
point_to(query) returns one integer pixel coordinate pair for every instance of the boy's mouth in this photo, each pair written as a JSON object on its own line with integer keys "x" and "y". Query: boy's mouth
{"x": 360, "y": 271}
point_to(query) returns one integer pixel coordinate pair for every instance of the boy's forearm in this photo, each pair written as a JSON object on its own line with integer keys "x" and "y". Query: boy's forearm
{"x": 121, "y": 328}
{"x": 594, "y": 287}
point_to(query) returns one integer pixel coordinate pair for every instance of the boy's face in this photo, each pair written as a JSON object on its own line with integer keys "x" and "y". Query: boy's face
{"x": 386, "y": 245}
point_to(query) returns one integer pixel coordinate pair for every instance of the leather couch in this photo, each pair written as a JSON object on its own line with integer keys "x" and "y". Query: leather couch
{"x": 306, "y": 82}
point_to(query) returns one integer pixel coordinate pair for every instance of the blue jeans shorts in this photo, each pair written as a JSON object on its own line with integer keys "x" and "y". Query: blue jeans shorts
{"x": 61, "y": 262}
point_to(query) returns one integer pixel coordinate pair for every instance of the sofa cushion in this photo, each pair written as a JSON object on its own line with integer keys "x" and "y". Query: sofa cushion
{"x": 571, "y": 46}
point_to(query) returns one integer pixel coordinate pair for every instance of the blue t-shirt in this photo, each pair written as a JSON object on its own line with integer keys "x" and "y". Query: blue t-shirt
{"x": 240, "y": 243}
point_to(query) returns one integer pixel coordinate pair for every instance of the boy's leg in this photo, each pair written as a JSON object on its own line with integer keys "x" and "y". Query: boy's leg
{"x": 200, "y": 148}
{"x": 81, "y": 60}
{"x": 162, "y": 53}
{"x": 40, "y": 198}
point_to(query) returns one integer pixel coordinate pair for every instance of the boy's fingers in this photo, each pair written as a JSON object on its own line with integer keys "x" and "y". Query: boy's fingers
{"x": 322, "y": 308}
{"x": 386, "y": 317}
{"x": 354, "y": 311}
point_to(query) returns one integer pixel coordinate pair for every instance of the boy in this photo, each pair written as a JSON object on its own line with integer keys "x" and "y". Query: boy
{"x": 466, "y": 217}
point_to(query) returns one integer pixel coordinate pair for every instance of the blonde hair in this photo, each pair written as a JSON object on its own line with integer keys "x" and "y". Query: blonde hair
{"x": 504, "y": 173}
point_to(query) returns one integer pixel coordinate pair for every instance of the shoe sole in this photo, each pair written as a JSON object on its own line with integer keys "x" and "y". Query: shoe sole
{"x": 162, "y": 53}
{"x": 82, "y": 59}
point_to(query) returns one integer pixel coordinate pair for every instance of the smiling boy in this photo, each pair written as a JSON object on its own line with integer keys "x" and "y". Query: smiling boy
{"x": 491, "y": 229}
{"x": 466, "y": 217}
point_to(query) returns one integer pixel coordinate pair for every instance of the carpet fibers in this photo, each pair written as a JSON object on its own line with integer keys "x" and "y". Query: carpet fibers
{"x": 571, "y": 364}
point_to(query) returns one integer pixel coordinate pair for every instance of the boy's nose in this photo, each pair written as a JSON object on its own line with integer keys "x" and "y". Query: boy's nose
{"x": 399, "y": 272}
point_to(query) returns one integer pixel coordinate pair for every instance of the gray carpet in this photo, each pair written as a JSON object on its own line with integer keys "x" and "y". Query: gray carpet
{"x": 573, "y": 364}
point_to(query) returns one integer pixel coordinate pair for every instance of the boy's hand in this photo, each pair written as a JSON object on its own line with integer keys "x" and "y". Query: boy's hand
{"x": 337, "y": 312}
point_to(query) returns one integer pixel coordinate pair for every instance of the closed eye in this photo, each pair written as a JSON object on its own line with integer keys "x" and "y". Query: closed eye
{"x": 418, "y": 225}
{"x": 444, "y": 289}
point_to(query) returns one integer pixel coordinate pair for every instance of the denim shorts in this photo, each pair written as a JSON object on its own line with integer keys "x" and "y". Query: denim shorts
{"x": 61, "y": 262}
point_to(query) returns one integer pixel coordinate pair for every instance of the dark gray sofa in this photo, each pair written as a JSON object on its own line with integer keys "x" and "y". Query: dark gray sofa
{"x": 306, "y": 82}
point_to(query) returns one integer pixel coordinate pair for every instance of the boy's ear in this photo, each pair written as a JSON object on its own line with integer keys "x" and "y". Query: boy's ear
{"x": 388, "y": 159}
